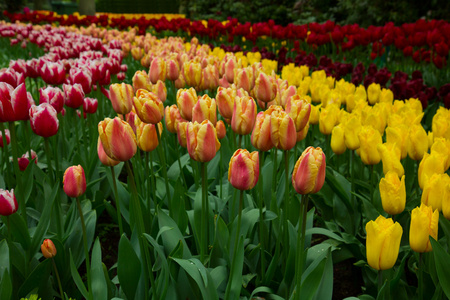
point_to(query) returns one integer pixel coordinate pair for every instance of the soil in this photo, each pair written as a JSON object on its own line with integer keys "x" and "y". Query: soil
{"x": 347, "y": 280}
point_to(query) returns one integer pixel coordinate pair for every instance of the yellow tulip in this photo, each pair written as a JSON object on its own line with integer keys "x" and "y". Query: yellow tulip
{"x": 373, "y": 93}
{"x": 338, "y": 140}
{"x": 435, "y": 190}
{"x": 429, "y": 165}
{"x": 416, "y": 144}
{"x": 398, "y": 135}
{"x": 393, "y": 193}
{"x": 390, "y": 156}
{"x": 383, "y": 243}
{"x": 369, "y": 138}
{"x": 351, "y": 131}
{"x": 424, "y": 222}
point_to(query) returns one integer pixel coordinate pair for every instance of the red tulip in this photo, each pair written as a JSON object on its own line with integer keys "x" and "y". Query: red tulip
{"x": 44, "y": 120}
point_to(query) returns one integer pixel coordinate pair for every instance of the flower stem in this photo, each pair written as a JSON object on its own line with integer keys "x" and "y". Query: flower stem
{"x": 420, "y": 276}
{"x": 380, "y": 280}
{"x": 86, "y": 250}
{"x": 153, "y": 180}
{"x": 301, "y": 244}
{"x": 162, "y": 157}
{"x": 205, "y": 213}
{"x": 116, "y": 197}
{"x": 58, "y": 279}
{"x": 261, "y": 218}
{"x": 4, "y": 151}
{"x": 179, "y": 166}
{"x": 286, "y": 203}
{"x": 20, "y": 199}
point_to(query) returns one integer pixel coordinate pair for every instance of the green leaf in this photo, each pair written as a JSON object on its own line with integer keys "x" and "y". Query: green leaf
{"x": 128, "y": 267}
{"x": 442, "y": 259}
{"x": 163, "y": 278}
{"x": 37, "y": 279}
{"x": 235, "y": 283}
{"x": 5, "y": 285}
{"x": 99, "y": 286}
{"x": 325, "y": 290}
{"x": 340, "y": 185}
{"x": 19, "y": 230}
{"x": 76, "y": 278}
{"x": 323, "y": 231}
{"x": 171, "y": 237}
{"x": 4, "y": 257}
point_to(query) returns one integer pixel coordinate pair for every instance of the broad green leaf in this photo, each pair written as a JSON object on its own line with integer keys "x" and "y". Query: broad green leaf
{"x": 163, "y": 278}
{"x": 171, "y": 237}
{"x": 442, "y": 259}
{"x": 99, "y": 286}
{"x": 234, "y": 285}
{"x": 128, "y": 267}
{"x": 5, "y": 285}
{"x": 341, "y": 186}
{"x": 4, "y": 257}
{"x": 19, "y": 230}
{"x": 37, "y": 278}
{"x": 325, "y": 290}
{"x": 311, "y": 282}
{"x": 77, "y": 278}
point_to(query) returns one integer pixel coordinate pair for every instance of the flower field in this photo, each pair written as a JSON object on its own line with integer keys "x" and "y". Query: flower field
{"x": 155, "y": 157}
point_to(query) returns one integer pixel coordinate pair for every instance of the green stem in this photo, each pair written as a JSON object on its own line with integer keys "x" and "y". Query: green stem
{"x": 20, "y": 199}
{"x": 86, "y": 250}
{"x": 236, "y": 242}
{"x": 58, "y": 279}
{"x": 26, "y": 130}
{"x": 205, "y": 213}
{"x": 179, "y": 165}
{"x": 220, "y": 172}
{"x": 301, "y": 244}
{"x": 380, "y": 280}
{"x": 4, "y": 151}
{"x": 55, "y": 158}
{"x": 372, "y": 183}
{"x": 153, "y": 180}
{"x": 261, "y": 218}
{"x": 149, "y": 188}
{"x": 9, "y": 228}
{"x": 49, "y": 159}
{"x": 162, "y": 157}
{"x": 116, "y": 197}
{"x": 77, "y": 134}
{"x": 420, "y": 276}
{"x": 240, "y": 141}
{"x": 286, "y": 203}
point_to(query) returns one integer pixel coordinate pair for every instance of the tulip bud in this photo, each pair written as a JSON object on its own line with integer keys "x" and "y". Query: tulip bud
{"x": 261, "y": 136}
{"x": 244, "y": 115}
{"x": 221, "y": 130}
{"x": 390, "y": 156}
{"x": 82, "y": 76}
{"x": 193, "y": 73}
{"x": 308, "y": 176}
{"x": 314, "y": 117}
{"x": 7, "y": 138}
{"x": 53, "y": 73}
{"x": 441, "y": 146}
{"x": 48, "y": 249}
{"x": 24, "y": 161}
{"x": 369, "y": 139}
{"x": 398, "y": 135}
{"x": 265, "y": 88}
{"x": 186, "y": 99}
{"x": 373, "y": 93}
{"x": 53, "y": 96}
{"x": 74, "y": 181}
{"x": 148, "y": 107}
{"x": 225, "y": 101}
{"x": 429, "y": 165}
{"x": 301, "y": 135}
{"x": 8, "y": 202}
{"x": 424, "y": 222}
{"x": 282, "y": 128}
{"x": 435, "y": 190}
{"x": 383, "y": 243}
{"x": 201, "y": 141}
{"x": 121, "y": 96}
{"x": 173, "y": 69}
{"x": 74, "y": 95}
{"x": 140, "y": 81}
{"x": 416, "y": 146}
{"x": 14, "y": 103}
{"x": 328, "y": 118}
{"x": 210, "y": 78}
{"x": 44, "y": 120}
{"x": 393, "y": 193}
{"x": 205, "y": 109}
{"x": 182, "y": 133}
{"x": 243, "y": 171}
{"x": 160, "y": 90}
{"x": 351, "y": 133}
{"x": 172, "y": 116}
{"x": 146, "y": 137}
{"x": 105, "y": 159}
{"x": 243, "y": 78}
{"x": 338, "y": 140}
{"x": 299, "y": 110}
{"x": 118, "y": 139}
{"x": 157, "y": 70}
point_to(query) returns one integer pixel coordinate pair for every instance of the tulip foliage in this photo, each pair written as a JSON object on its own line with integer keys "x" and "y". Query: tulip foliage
{"x": 217, "y": 175}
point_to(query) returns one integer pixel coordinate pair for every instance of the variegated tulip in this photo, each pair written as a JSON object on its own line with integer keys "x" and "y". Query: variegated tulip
{"x": 243, "y": 171}
{"x": 148, "y": 107}
{"x": 44, "y": 120}
{"x": 74, "y": 181}
{"x": 261, "y": 136}
{"x": 121, "y": 96}
{"x": 308, "y": 176}
{"x": 8, "y": 202}
{"x": 244, "y": 115}
{"x": 140, "y": 81}
{"x": 265, "y": 88}
{"x": 105, "y": 159}
{"x": 186, "y": 99}
{"x": 146, "y": 136}
{"x": 201, "y": 141}
{"x": 299, "y": 110}
{"x": 205, "y": 109}
{"x": 118, "y": 139}
{"x": 48, "y": 249}
{"x": 157, "y": 70}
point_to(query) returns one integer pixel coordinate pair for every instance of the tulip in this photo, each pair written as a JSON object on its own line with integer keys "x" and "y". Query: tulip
{"x": 424, "y": 222}
{"x": 8, "y": 202}
{"x": 338, "y": 140}
{"x": 160, "y": 90}
{"x": 416, "y": 146}
{"x": 328, "y": 118}
{"x": 351, "y": 133}
{"x": 243, "y": 171}
{"x": 186, "y": 99}
{"x": 286, "y": 94}
{"x": 193, "y": 73}
{"x": 53, "y": 96}
{"x": 393, "y": 193}
{"x": 14, "y": 103}
{"x": 157, "y": 70}
{"x": 308, "y": 176}
{"x": 265, "y": 88}
{"x": 441, "y": 146}
{"x": 261, "y": 136}
{"x": 243, "y": 78}
{"x": 282, "y": 128}
{"x": 74, "y": 181}
{"x": 201, "y": 141}
{"x": 182, "y": 133}
{"x": 74, "y": 95}
{"x": 398, "y": 135}
{"x": 140, "y": 81}
{"x": 210, "y": 78}
{"x": 118, "y": 139}
{"x": 220, "y": 129}
{"x": 105, "y": 159}
{"x": 369, "y": 139}
{"x": 82, "y": 76}
{"x": 44, "y": 120}
{"x": 301, "y": 135}
{"x": 229, "y": 66}
{"x": 24, "y": 161}
{"x": 121, "y": 96}
{"x": 315, "y": 114}
{"x": 48, "y": 249}
{"x": 383, "y": 243}
{"x": 373, "y": 93}
{"x": 244, "y": 115}
{"x": 390, "y": 156}
{"x": 435, "y": 190}
{"x": 53, "y": 73}
{"x": 225, "y": 101}
{"x": 172, "y": 116}
{"x": 146, "y": 137}
{"x": 7, "y": 137}
{"x": 429, "y": 165}
{"x": 148, "y": 107}
{"x": 299, "y": 110}
{"x": 90, "y": 105}
{"x": 205, "y": 109}
{"x": 172, "y": 69}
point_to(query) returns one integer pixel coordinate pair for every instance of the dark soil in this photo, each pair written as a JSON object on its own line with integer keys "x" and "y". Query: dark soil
{"x": 347, "y": 280}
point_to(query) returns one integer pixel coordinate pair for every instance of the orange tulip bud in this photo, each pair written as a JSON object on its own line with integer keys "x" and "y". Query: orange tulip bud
{"x": 243, "y": 171}
{"x": 118, "y": 139}
{"x": 244, "y": 115}
{"x": 221, "y": 129}
{"x": 157, "y": 70}
{"x": 141, "y": 81}
{"x": 181, "y": 133}
{"x": 309, "y": 171}
{"x": 146, "y": 137}
{"x": 265, "y": 88}
{"x": 148, "y": 107}
{"x": 205, "y": 109}
{"x": 186, "y": 99}
{"x": 243, "y": 78}
{"x": 210, "y": 78}
{"x": 299, "y": 110}
{"x": 121, "y": 96}
{"x": 173, "y": 69}
{"x": 201, "y": 141}
{"x": 261, "y": 136}
{"x": 282, "y": 128}
{"x": 160, "y": 90}
{"x": 74, "y": 181}
{"x": 172, "y": 116}
{"x": 48, "y": 249}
